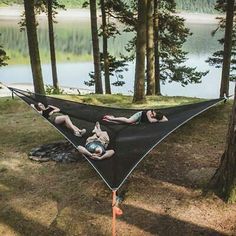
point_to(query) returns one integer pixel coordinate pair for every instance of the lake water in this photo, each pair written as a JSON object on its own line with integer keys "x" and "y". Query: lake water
{"x": 74, "y": 50}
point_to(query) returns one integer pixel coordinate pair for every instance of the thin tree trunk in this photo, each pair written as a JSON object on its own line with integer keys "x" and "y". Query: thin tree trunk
{"x": 52, "y": 46}
{"x": 96, "y": 52}
{"x": 156, "y": 49}
{"x": 224, "y": 180}
{"x": 140, "y": 53}
{"x": 224, "y": 89}
{"x": 33, "y": 46}
{"x": 150, "y": 49}
{"x": 105, "y": 49}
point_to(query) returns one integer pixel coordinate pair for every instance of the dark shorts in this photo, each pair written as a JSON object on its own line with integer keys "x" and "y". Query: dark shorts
{"x": 54, "y": 115}
{"x": 91, "y": 147}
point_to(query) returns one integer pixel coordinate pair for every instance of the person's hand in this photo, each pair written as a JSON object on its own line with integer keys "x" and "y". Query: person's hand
{"x": 94, "y": 156}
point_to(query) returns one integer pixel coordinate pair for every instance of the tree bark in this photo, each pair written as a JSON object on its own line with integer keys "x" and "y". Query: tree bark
{"x": 33, "y": 46}
{"x": 224, "y": 180}
{"x": 140, "y": 53}
{"x": 224, "y": 89}
{"x": 96, "y": 52}
{"x": 156, "y": 49}
{"x": 105, "y": 49}
{"x": 52, "y": 46}
{"x": 150, "y": 49}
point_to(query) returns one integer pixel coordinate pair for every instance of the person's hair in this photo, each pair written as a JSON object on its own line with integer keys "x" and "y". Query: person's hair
{"x": 36, "y": 105}
{"x": 159, "y": 114}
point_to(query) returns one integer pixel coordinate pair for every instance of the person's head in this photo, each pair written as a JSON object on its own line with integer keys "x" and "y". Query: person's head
{"x": 157, "y": 114}
{"x": 39, "y": 106}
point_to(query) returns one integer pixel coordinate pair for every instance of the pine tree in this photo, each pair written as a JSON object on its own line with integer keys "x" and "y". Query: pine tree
{"x": 105, "y": 47}
{"x": 224, "y": 180}
{"x": 30, "y": 23}
{"x": 96, "y": 52}
{"x": 150, "y": 49}
{"x": 140, "y": 52}
{"x": 50, "y": 13}
{"x": 225, "y": 58}
{"x": 170, "y": 34}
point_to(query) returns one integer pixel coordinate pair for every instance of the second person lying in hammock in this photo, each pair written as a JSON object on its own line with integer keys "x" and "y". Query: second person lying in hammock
{"x": 149, "y": 116}
{"x": 96, "y": 145}
{"x": 53, "y": 114}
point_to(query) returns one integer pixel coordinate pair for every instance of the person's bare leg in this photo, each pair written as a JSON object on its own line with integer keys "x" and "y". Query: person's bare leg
{"x": 103, "y": 135}
{"x": 67, "y": 122}
{"x": 120, "y": 119}
{"x": 97, "y": 129}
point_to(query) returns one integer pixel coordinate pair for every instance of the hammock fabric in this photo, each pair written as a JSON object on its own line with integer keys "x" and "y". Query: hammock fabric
{"x": 131, "y": 143}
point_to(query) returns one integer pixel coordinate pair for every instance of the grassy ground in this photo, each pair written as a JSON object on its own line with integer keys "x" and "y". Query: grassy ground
{"x": 163, "y": 195}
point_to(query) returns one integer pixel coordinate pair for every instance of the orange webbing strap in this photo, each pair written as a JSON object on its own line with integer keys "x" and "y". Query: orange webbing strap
{"x": 113, "y": 213}
{"x": 116, "y": 211}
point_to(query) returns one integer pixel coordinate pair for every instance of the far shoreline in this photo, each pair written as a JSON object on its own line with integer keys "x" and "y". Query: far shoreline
{"x": 14, "y": 13}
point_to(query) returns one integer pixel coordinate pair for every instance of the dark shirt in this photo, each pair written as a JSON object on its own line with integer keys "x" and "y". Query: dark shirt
{"x": 144, "y": 118}
{"x": 47, "y": 111}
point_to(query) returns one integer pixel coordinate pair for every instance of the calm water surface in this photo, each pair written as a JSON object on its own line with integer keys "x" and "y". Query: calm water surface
{"x": 74, "y": 50}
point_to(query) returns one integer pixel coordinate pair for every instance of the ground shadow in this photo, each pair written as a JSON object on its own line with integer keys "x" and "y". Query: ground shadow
{"x": 26, "y": 227}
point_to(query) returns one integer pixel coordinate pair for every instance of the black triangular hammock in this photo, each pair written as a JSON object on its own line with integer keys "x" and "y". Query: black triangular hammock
{"x": 131, "y": 143}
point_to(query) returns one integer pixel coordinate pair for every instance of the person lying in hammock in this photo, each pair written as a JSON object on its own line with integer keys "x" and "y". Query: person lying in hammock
{"x": 149, "y": 116}
{"x": 96, "y": 145}
{"x": 53, "y": 114}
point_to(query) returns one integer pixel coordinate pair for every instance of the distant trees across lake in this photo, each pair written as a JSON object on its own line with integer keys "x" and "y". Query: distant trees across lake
{"x": 203, "y": 6}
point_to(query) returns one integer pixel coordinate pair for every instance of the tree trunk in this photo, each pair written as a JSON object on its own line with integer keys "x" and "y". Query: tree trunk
{"x": 105, "y": 49}
{"x": 156, "y": 49}
{"x": 33, "y": 46}
{"x": 224, "y": 89}
{"x": 96, "y": 52}
{"x": 150, "y": 50}
{"x": 140, "y": 53}
{"x": 224, "y": 180}
{"x": 52, "y": 46}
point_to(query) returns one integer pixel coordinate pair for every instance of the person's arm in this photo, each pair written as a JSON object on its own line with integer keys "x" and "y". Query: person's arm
{"x": 84, "y": 151}
{"x": 151, "y": 119}
{"x": 55, "y": 109}
{"x": 107, "y": 154}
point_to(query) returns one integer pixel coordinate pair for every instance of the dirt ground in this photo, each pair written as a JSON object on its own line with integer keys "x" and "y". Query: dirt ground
{"x": 163, "y": 196}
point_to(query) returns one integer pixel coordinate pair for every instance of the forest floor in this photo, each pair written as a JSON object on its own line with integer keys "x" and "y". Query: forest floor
{"x": 163, "y": 196}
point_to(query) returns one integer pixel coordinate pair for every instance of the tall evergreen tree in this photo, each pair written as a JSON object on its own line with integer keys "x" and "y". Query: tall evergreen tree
{"x": 226, "y": 57}
{"x": 150, "y": 49}
{"x": 156, "y": 48}
{"x": 170, "y": 34}
{"x": 105, "y": 47}
{"x": 224, "y": 180}
{"x": 50, "y": 15}
{"x": 140, "y": 52}
{"x": 50, "y": 7}
{"x": 30, "y": 23}
{"x": 96, "y": 53}
{"x": 224, "y": 89}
